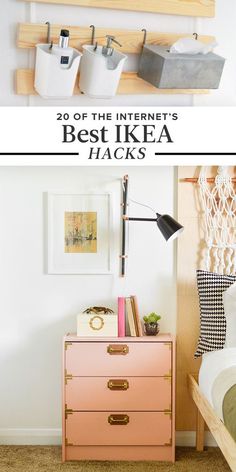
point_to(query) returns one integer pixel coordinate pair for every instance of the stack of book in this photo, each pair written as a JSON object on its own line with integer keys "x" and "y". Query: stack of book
{"x": 129, "y": 323}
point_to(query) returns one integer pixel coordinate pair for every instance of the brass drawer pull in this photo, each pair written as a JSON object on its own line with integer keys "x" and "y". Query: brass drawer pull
{"x": 114, "y": 384}
{"x": 118, "y": 419}
{"x": 118, "y": 349}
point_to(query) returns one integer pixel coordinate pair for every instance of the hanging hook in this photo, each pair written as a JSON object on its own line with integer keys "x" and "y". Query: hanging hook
{"x": 48, "y": 32}
{"x": 93, "y": 34}
{"x": 144, "y": 36}
{"x": 49, "y": 35}
{"x": 195, "y": 36}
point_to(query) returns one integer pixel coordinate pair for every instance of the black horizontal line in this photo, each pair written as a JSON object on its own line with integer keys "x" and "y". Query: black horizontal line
{"x": 195, "y": 153}
{"x": 39, "y": 153}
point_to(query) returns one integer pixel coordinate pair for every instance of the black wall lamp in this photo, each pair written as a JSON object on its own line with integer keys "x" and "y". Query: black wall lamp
{"x": 168, "y": 227}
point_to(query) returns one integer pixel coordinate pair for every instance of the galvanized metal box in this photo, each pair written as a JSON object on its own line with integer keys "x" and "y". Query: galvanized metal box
{"x": 180, "y": 71}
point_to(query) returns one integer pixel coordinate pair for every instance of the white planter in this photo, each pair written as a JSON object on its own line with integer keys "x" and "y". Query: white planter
{"x": 51, "y": 81}
{"x": 97, "y": 324}
{"x": 100, "y": 75}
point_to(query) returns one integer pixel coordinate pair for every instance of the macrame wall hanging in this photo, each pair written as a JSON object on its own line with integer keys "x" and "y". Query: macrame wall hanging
{"x": 218, "y": 204}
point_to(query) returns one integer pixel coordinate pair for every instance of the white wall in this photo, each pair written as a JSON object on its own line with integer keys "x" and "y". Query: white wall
{"x": 15, "y": 11}
{"x": 37, "y": 309}
{"x": 223, "y": 27}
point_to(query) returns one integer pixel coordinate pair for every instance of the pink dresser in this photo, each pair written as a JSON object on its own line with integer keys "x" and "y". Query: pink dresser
{"x": 119, "y": 398}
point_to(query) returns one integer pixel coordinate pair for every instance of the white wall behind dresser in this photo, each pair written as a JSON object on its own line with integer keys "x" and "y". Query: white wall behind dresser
{"x": 15, "y": 11}
{"x": 37, "y": 309}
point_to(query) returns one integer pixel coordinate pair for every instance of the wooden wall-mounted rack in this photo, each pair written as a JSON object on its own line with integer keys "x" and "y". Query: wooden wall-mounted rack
{"x": 31, "y": 34}
{"x": 130, "y": 84}
{"x": 205, "y": 8}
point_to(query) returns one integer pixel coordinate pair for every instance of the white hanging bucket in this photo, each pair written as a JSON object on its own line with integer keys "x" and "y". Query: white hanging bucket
{"x": 100, "y": 75}
{"x": 51, "y": 81}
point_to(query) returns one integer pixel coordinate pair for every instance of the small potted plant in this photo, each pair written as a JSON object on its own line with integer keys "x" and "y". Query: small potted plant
{"x": 151, "y": 324}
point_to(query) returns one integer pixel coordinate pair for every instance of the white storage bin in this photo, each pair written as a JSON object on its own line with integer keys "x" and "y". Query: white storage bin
{"x": 52, "y": 81}
{"x": 97, "y": 324}
{"x": 100, "y": 75}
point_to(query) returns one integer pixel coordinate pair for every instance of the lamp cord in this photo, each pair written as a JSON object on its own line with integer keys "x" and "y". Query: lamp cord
{"x": 127, "y": 234}
{"x": 142, "y": 204}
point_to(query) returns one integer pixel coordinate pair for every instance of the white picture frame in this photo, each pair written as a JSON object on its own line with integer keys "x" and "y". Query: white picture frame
{"x": 79, "y": 233}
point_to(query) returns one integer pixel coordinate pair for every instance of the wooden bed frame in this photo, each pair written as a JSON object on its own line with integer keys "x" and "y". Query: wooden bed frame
{"x": 206, "y": 414}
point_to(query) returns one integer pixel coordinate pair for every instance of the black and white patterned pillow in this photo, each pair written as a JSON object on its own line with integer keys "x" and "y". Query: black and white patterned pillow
{"x": 212, "y": 318}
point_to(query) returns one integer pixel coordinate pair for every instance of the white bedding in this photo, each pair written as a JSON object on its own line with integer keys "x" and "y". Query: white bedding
{"x": 217, "y": 374}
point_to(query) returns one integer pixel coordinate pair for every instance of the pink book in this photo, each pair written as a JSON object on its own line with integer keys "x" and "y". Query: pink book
{"x": 121, "y": 317}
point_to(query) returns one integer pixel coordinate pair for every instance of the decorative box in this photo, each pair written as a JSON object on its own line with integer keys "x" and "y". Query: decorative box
{"x": 97, "y": 324}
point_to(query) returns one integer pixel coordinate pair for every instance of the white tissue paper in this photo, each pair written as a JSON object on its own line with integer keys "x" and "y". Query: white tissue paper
{"x": 191, "y": 46}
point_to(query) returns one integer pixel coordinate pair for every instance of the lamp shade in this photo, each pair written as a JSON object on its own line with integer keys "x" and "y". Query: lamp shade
{"x": 169, "y": 227}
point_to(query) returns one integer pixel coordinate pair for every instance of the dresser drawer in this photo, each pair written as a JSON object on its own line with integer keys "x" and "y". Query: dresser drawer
{"x": 118, "y": 359}
{"x": 87, "y": 429}
{"x": 130, "y": 393}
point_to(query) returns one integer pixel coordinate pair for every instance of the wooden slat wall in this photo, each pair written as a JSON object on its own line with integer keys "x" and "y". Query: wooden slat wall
{"x": 30, "y": 34}
{"x": 189, "y": 259}
{"x": 172, "y": 7}
{"x": 130, "y": 84}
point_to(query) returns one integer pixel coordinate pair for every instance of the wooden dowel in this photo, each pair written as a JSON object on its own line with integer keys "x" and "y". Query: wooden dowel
{"x": 211, "y": 180}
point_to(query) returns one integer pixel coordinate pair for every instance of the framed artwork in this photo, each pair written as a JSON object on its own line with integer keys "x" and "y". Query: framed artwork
{"x": 79, "y": 233}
